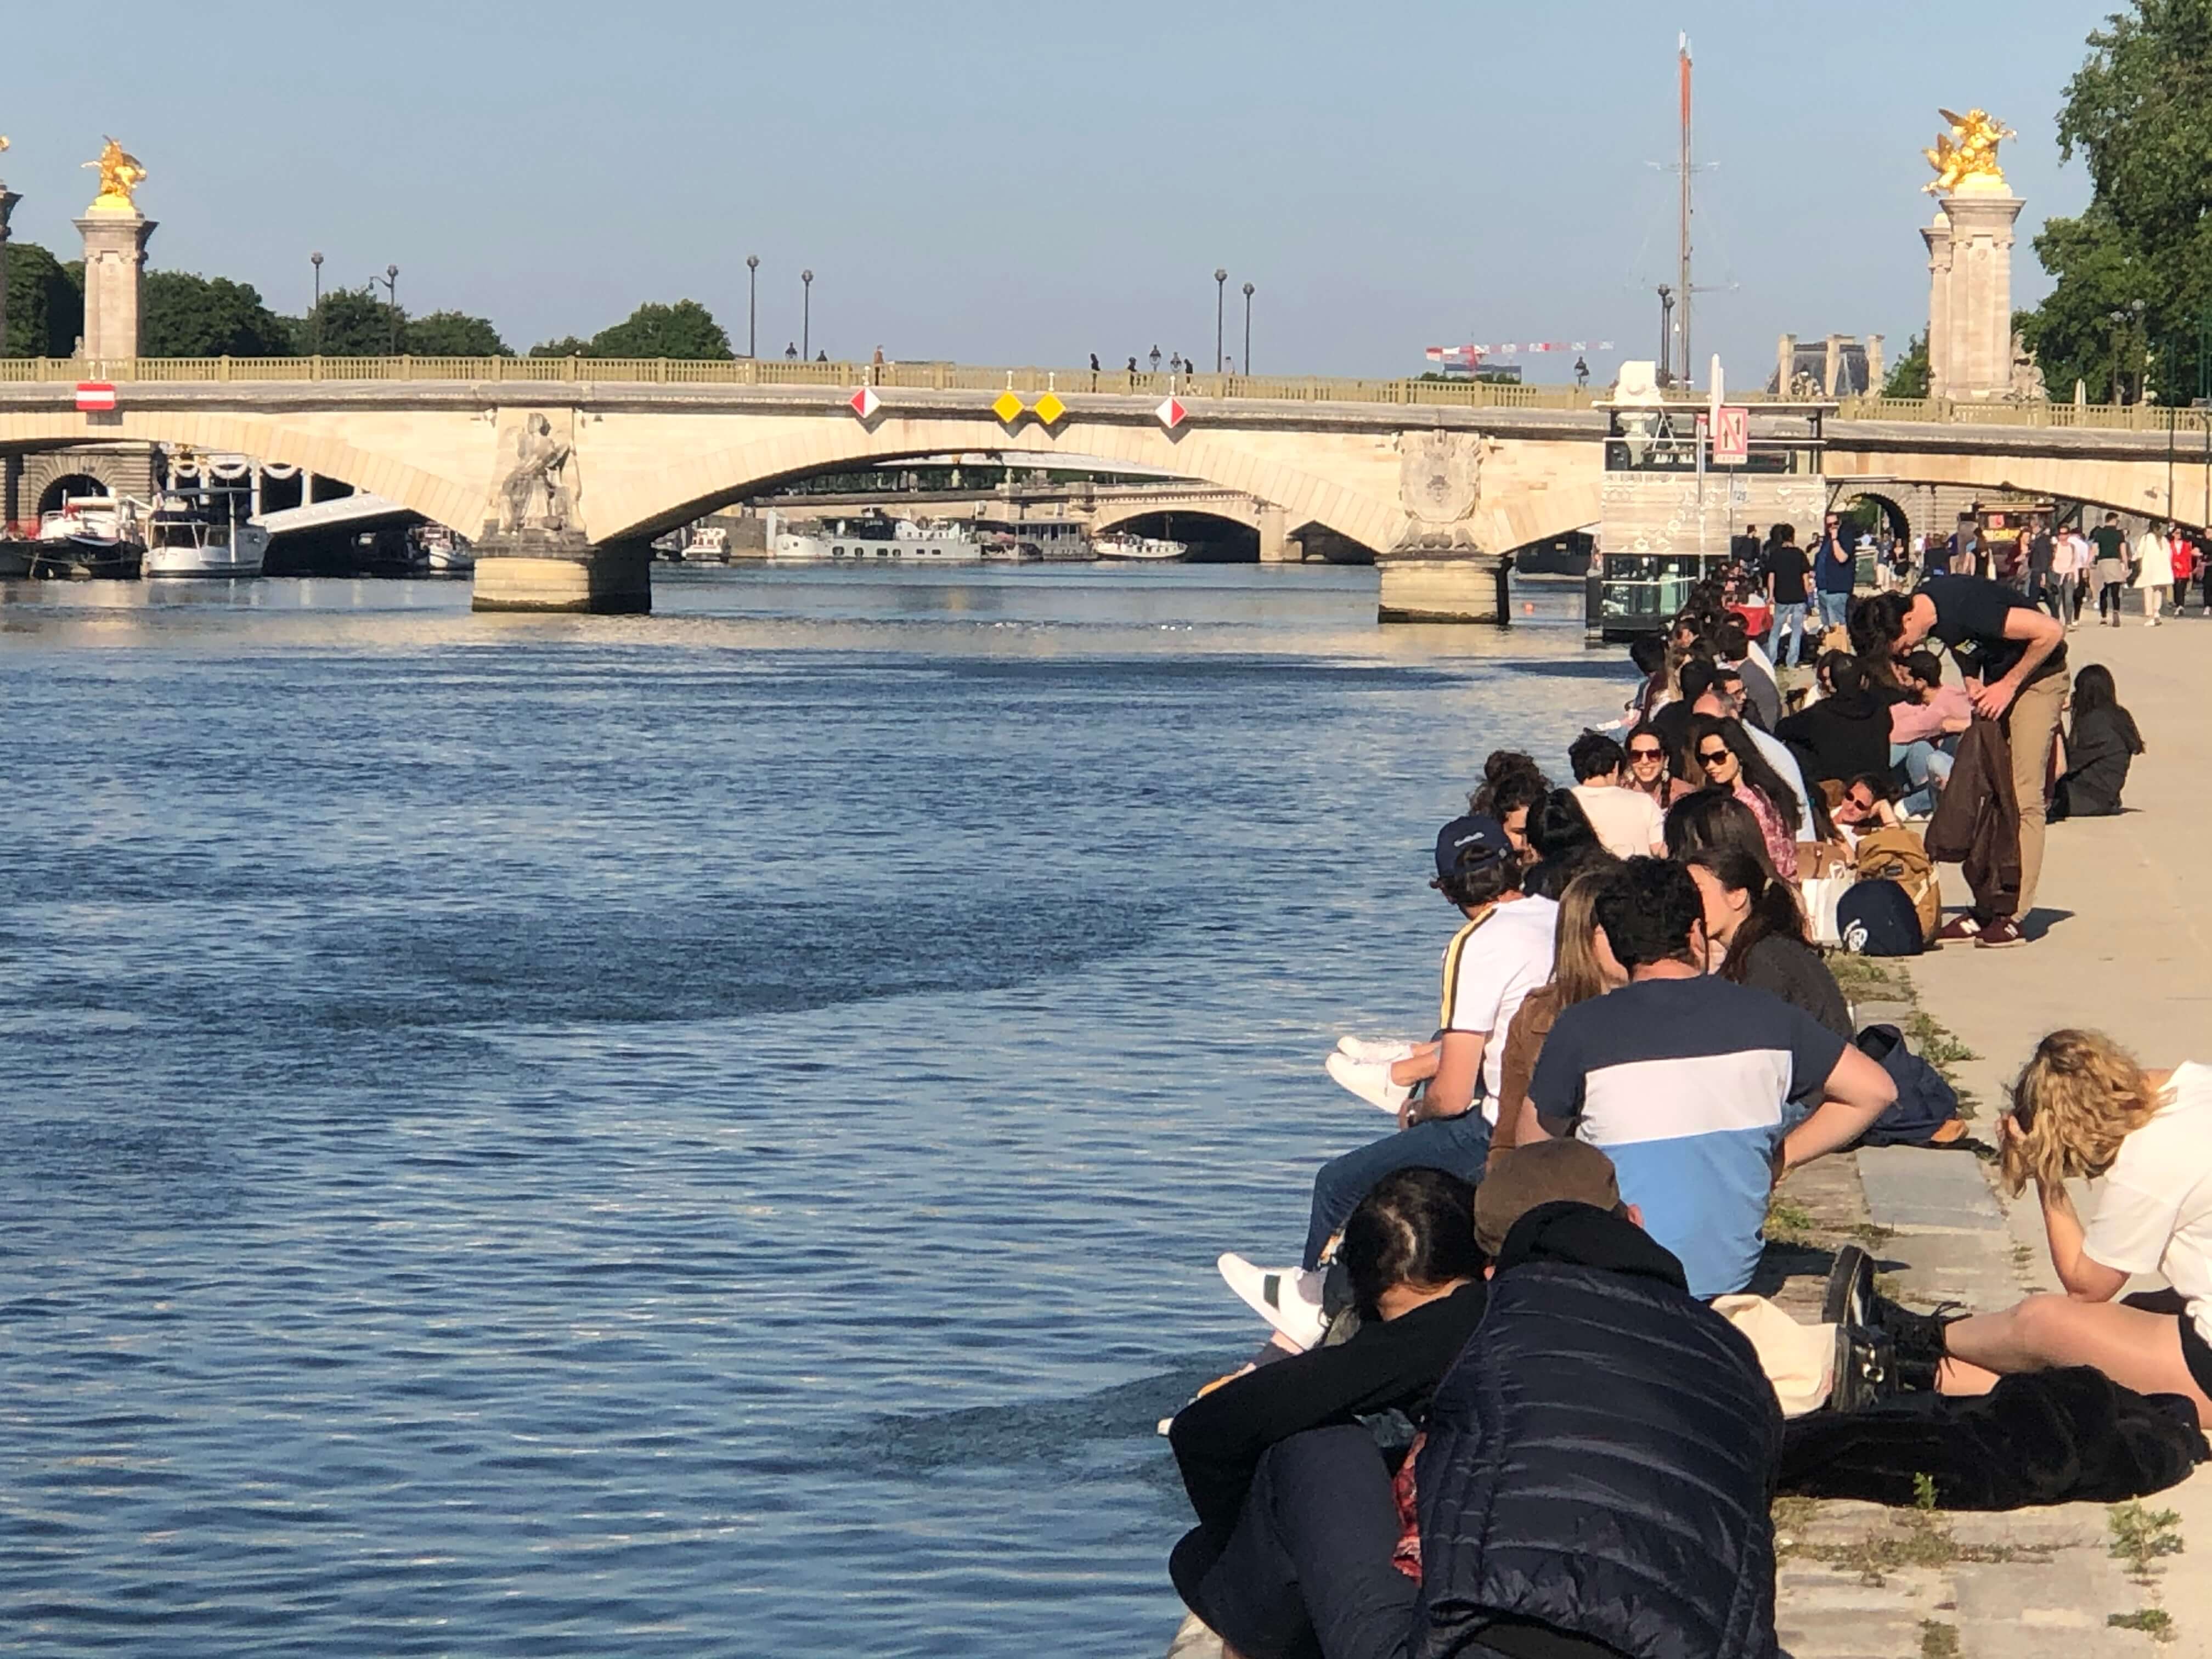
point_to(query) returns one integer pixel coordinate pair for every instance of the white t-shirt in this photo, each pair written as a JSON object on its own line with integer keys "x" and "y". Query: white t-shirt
{"x": 1490, "y": 967}
{"x": 2153, "y": 1209}
{"x": 1627, "y": 821}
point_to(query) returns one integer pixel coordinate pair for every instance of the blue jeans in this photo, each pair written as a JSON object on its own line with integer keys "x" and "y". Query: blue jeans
{"x": 1788, "y": 619}
{"x": 1459, "y": 1145}
{"x": 1835, "y": 609}
{"x": 1922, "y": 768}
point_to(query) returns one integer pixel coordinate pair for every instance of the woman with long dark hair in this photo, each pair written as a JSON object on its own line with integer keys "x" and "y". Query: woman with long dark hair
{"x": 1650, "y": 768}
{"x": 1757, "y": 926}
{"x": 2101, "y": 744}
{"x": 1564, "y": 842}
{"x": 1730, "y": 760}
{"x": 1714, "y": 817}
{"x": 1512, "y": 784}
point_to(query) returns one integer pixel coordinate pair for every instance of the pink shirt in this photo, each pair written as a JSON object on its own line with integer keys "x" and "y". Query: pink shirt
{"x": 1911, "y": 722}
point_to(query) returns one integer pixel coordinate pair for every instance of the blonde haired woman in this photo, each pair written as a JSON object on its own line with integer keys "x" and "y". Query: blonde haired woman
{"x": 1583, "y": 966}
{"x": 2083, "y": 1107}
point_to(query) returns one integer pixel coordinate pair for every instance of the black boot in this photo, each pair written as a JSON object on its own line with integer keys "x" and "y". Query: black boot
{"x": 1916, "y": 1339}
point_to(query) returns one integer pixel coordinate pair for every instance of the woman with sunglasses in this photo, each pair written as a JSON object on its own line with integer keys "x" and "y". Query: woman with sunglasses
{"x": 2084, "y": 1109}
{"x": 1648, "y": 770}
{"x": 1730, "y": 760}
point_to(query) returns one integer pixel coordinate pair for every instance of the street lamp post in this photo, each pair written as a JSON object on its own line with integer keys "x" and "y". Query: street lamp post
{"x": 752, "y": 305}
{"x": 316, "y": 260}
{"x": 391, "y": 282}
{"x": 1248, "y": 329}
{"x": 1220, "y": 290}
{"x": 806, "y": 316}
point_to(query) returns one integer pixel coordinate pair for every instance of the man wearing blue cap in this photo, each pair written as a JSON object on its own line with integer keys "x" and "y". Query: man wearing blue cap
{"x": 1502, "y": 952}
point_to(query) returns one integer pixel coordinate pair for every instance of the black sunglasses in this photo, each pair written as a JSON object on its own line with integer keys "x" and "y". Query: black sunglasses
{"x": 1714, "y": 757}
{"x": 1645, "y": 753}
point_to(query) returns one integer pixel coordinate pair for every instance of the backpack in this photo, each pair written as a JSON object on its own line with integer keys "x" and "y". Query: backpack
{"x": 1897, "y": 855}
{"x": 1924, "y": 1102}
{"x": 1876, "y": 919}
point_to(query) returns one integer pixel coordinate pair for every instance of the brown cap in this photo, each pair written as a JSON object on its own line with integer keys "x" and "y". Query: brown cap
{"x": 1543, "y": 1173}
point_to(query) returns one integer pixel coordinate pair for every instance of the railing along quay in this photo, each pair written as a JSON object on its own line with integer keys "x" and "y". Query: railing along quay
{"x": 962, "y": 377}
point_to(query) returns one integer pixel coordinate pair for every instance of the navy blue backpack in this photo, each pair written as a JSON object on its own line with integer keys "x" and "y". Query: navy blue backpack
{"x": 1924, "y": 1104}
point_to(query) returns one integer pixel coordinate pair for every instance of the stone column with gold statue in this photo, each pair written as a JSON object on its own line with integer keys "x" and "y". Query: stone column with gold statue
{"x": 115, "y": 233}
{"x": 8, "y": 200}
{"x": 1971, "y": 349}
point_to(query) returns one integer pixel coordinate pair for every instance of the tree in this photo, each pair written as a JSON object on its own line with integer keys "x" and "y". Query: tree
{"x": 45, "y": 309}
{"x": 351, "y": 322}
{"x": 567, "y": 346}
{"x": 2138, "y": 113}
{"x": 1908, "y": 376}
{"x": 453, "y": 334}
{"x": 182, "y": 315}
{"x": 686, "y": 329}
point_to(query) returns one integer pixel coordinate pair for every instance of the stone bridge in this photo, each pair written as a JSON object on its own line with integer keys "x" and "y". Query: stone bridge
{"x": 562, "y": 480}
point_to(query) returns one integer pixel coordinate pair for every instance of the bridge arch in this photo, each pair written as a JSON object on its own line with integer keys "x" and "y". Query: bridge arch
{"x": 687, "y": 489}
{"x": 454, "y": 498}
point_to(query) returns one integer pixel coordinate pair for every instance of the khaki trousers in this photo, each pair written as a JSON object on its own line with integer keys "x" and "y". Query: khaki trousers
{"x": 2032, "y": 728}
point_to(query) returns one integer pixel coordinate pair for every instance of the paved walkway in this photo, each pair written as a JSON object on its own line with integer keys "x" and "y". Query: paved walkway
{"x": 2126, "y": 947}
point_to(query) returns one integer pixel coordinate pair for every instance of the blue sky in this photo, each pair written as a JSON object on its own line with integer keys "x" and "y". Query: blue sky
{"x": 1004, "y": 183}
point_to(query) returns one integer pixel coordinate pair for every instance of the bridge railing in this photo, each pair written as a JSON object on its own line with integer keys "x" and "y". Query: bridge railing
{"x": 1029, "y": 382}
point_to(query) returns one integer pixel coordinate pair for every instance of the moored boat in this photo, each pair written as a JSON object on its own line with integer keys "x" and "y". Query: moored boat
{"x": 873, "y": 539}
{"x": 92, "y": 536}
{"x": 182, "y": 540}
{"x": 1152, "y": 550}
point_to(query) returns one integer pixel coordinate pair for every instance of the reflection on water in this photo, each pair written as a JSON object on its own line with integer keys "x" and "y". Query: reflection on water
{"x": 704, "y": 1133}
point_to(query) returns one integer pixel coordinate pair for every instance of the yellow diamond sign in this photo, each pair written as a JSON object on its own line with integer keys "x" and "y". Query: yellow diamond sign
{"x": 1049, "y": 409}
{"x": 1008, "y": 408}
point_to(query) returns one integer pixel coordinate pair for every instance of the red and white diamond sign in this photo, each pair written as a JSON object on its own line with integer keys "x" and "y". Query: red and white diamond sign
{"x": 1170, "y": 413}
{"x": 865, "y": 403}
{"x": 95, "y": 395}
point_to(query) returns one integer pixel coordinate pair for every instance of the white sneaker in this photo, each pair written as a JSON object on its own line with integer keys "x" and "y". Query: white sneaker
{"x": 1288, "y": 1299}
{"x": 1370, "y": 1080}
{"x": 1369, "y": 1049}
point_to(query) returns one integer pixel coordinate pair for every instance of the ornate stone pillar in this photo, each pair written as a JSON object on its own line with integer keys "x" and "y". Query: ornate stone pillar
{"x": 8, "y": 200}
{"x": 1874, "y": 375}
{"x": 1831, "y": 368}
{"x": 1980, "y": 315}
{"x": 535, "y": 552}
{"x": 114, "y": 271}
{"x": 1785, "y": 363}
{"x": 1938, "y": 238}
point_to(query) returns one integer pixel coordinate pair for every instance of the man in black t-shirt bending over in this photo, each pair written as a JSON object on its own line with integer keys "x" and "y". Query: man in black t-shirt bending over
{"x": 2014, "y": 657}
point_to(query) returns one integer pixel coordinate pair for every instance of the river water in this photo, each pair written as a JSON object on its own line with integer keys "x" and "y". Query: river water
{"x": 704, "y": 1133}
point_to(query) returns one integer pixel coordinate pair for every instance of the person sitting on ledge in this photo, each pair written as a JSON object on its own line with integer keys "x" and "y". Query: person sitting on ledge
{"x": 2084, "y": 1109}
{"x": 1416, "y": 1278}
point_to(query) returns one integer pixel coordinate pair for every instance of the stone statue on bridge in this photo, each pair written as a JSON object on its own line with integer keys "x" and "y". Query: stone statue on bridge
{"x": 120, "y": 174}
{"x": 534, "y": 494}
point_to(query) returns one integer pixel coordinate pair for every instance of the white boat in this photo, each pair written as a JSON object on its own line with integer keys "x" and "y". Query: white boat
{"x": 707, "y": 543}
{"x": 89, "y": 535}
{"x": 1025, "y": 541}
{"x": 1155, "y": 549}
{"x": 183, "y": 541}
{"x": 874, "y": 539}
{"x": 443, "y": 553}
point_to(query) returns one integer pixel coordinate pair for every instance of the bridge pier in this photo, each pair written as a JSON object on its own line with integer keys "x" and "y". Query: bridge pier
{"x": 1276, "y": 546}
{"x": 1460, "y": 586}
{"x": 549, "y": 570}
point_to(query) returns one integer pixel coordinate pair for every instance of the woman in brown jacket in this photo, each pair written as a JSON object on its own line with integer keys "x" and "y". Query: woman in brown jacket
{"x": 1582, "y": 967}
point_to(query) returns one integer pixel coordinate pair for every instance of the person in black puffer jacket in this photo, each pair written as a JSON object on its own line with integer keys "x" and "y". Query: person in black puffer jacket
{"x": 1599, "y": 1461}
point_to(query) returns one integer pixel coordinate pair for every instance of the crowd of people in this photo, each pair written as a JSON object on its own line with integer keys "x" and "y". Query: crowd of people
{"x": 1519, "y": 1398}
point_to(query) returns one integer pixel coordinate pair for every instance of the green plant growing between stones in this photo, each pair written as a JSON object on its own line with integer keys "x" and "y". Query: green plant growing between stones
{"x": 1938, "y": 1640}
{"x": 1788, "y": 1222}
{"x": 2141, "y": 1536}
{"x": 2154, "y": 1622}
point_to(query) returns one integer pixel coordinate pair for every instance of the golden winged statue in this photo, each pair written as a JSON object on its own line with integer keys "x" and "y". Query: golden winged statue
{"x": 1965, "y": 157}
{"x": 120, "y": 174}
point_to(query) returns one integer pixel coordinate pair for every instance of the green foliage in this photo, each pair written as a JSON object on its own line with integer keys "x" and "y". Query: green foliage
{"x": 182, "y": 315}
{"x": 2140, "y": 1536}
{"x": 453, "y": 334}
{"x": 1908, "y": 376}
{"x": 2139, "y": 113}
{"x": 45, "y": 309}
{"x": 2154, "y": 1622}
{"x": 686, "y": 329}
{"x": 567, "y": 346}
{"x": 1938, "y": 1640}
{"x": 1924, "y": 1493}
{"x": 351, "y": 322}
